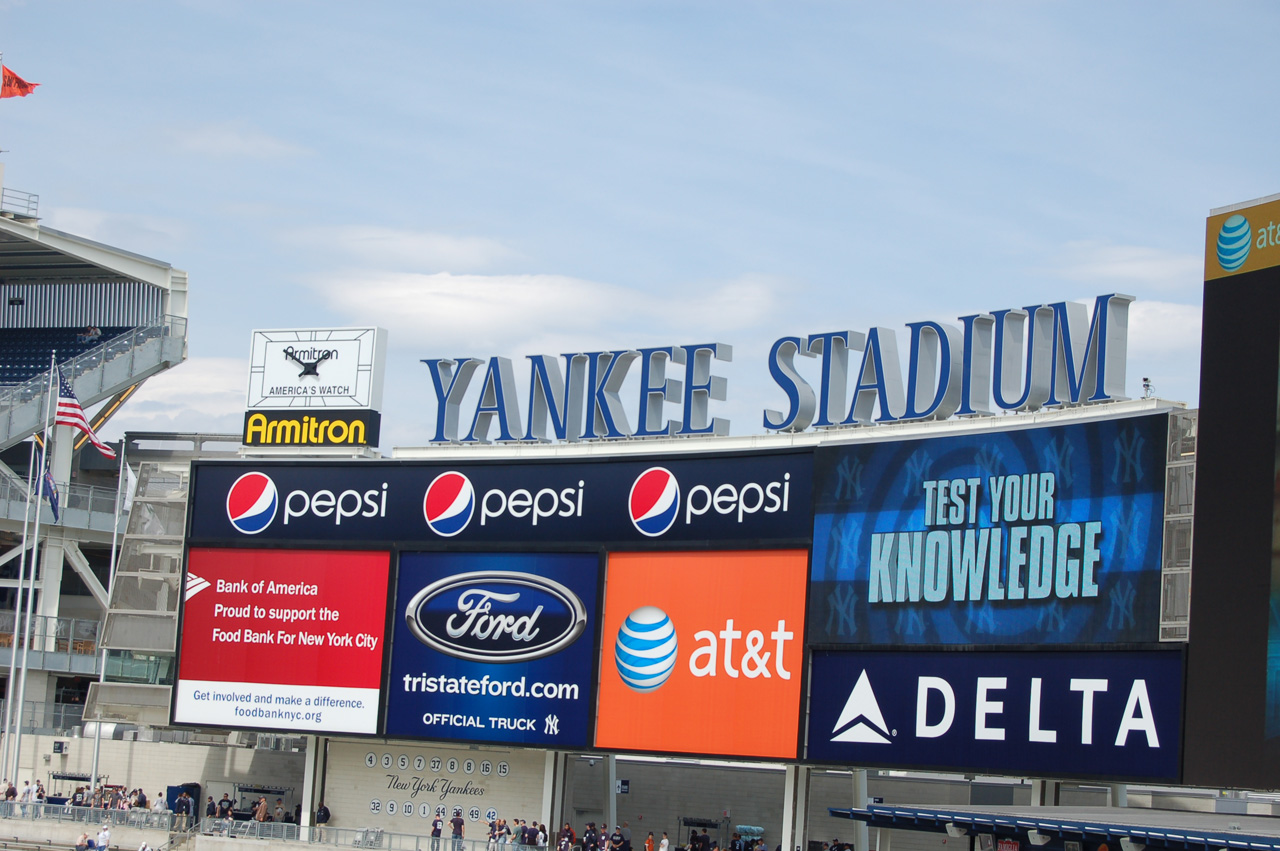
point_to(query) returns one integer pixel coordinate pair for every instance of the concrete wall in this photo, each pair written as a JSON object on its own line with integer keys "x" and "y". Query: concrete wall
{"x": 360, "y": 794}
{"x": 155, "y": 765}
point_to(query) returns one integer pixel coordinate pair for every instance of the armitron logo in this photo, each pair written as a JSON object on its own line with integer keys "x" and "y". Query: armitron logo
{"x": 496, "y": 616}
{"x": 861, "y": 719}
{"x": 252, "y": 502}
{"x": 449, "y": 503}
{"x": 654, "y": 501}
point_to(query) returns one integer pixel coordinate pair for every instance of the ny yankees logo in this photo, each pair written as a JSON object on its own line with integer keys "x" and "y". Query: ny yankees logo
{"x": 849, "y": 478}
{"x": 918, "y": 467}
{"x": 1126, "y": 520}
{"x": 990, "y": 460}
{"x": 1122, "y": 597}
{"x": 1051, "y": 618}
{"x": 909, "y": 622}
{"x": 842, "y": 605}
{"x": 981, "y": 621}
{"x": 1057, "y": 459}
{"x": 842, "y": 550}
{"x": 1128, "y": 466}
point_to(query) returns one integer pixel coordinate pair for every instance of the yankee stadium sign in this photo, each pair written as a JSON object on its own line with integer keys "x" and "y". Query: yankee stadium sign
{"x": 1015, "y": 359}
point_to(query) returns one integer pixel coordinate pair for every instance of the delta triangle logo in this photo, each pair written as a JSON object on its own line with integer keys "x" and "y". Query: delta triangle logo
{"x": 861, "y": 719}
{"x": 195, "y": 585}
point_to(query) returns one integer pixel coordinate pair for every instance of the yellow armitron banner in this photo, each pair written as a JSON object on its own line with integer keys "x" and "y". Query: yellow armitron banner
{"x": 1243, "y": 239}
{"x": 315, "y": 428}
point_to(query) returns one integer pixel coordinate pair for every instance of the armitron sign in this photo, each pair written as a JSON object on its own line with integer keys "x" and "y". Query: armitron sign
{"x": 327, "y": 428}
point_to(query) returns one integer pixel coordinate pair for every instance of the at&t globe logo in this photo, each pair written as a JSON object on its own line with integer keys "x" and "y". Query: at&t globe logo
{"x": 449, "y": 503}
{"x": 654, "y": 501}
{"x": 1234, "y": 241}
{"x": 252, "y": 502}
{"x": 645, "y": 651}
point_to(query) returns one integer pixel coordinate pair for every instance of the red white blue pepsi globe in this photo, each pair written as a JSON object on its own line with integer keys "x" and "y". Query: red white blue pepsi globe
{"x": 654, "y": 501}
{"x": 448, "y": 503}
{"x": 645, "y": 651}
{"x": 252, "y": 502}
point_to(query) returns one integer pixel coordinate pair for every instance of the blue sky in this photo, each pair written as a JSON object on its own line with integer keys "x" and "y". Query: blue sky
{"x": 510, "y": 179}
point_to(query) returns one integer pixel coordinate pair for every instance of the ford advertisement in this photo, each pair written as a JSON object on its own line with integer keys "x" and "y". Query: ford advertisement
{"x": 494, "y": 647}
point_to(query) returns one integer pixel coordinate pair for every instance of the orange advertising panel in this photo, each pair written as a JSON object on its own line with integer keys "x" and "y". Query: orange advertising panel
{"x": 702, "y": 653}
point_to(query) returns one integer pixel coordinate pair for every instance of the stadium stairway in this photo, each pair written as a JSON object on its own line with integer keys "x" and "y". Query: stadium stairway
{"x": 96, "y": 375}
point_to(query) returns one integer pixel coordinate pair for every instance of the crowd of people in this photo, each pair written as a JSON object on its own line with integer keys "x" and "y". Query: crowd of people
{"x": 594, "y": 837}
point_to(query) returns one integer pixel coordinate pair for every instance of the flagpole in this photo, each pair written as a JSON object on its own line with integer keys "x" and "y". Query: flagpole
{"x": 17, "y": 615}
{"x": 35, "y": 562}
{"x": 111, "y": 581}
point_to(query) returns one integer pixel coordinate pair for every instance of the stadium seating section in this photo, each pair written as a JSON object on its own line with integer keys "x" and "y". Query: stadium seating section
{"x": 24, "y": 352}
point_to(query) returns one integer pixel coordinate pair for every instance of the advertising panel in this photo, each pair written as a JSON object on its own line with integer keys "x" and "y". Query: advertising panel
{"x": 491, "y": 647}
{"x": 1099, "y": 714}
{"x": 1233, "y": 659}
{"x": 1029, "y": 536}
{"x": 317, "y": 368}
{"x": 746, "y": 497}
{"x": 282, "y": 640}
{"x": 702, "y": 653}
{"x": 324, "y": 428}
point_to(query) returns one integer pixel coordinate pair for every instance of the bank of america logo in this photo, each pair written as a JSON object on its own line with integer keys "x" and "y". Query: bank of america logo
{"x": 861, "y": 719}
{"x": 195, "y": 585}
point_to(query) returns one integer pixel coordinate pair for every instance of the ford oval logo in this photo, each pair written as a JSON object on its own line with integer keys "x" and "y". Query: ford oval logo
{"x": 496, "y": 616}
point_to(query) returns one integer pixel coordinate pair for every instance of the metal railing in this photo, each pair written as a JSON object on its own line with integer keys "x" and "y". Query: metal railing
{"x": 124, "y": 345}
{"x": 347, "y": 837}
{"x": 22, "y": 203}
{"x": 49, "y": 719}
{"x": 75, "y": 497}
{"x": 78, "y": 636}
{"x": 95, "y": 816}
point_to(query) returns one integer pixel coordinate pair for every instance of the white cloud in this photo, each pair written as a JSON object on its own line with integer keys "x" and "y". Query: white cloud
{"x": 1132, "y": 265}
{"x": 530, "y": 313}
{"x": 202, "y": 394}
{"x": 145, "y": 234}
{"x": 405, "y": 250}
{"x": 234, "y": 140}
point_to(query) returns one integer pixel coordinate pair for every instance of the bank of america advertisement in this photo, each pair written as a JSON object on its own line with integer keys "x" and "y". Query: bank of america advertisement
{"x": 494, "y": 647}
{"x": 282, "y": 640}
{"x": 1046, "y": 535}
{"x": 1107, "y": 714}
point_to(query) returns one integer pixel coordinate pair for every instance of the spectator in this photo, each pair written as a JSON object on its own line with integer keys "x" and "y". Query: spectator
{"x": 211, "y": 808}
{"x": 457, "y": 824}
{"x": 278, "y": 814}
{"x": 322, "y": 819}
{"x": 104, "y": 837}
{"x": 260, "y": 813}
{"x": 181, "y": 810}
{"x": 225, "y": 807}
{"x": 160, "y": 805}
{"x": 82, "y": 842}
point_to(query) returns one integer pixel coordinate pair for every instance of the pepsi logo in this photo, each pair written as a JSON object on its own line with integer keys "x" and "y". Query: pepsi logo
{"x": 655, "y": 501}
{"x": 252, "y": 502}
{"x": 448, "y": 503}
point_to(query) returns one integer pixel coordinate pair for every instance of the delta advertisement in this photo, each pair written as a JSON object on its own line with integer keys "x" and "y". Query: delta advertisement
{"x": 1106, "y": 714}
{"x": 1048, "y": 535}
{"x": 282, "y": 639}
{"x": 494, "y": 647}
{"x": 702, "y": 653}
{"x": 744, "y": 497}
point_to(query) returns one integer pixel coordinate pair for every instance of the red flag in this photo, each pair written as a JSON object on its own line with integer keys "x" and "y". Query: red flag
{"x": 14, "y": 86}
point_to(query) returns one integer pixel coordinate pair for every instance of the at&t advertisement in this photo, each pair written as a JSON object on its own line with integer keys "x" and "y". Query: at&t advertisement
{"x": 1036, "y": 535}
{"x": 703, "y": 653}
{"x": 492, "y": 647}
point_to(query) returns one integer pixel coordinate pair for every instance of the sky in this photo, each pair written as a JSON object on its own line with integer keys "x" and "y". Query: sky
{"x": 511, "y": 179}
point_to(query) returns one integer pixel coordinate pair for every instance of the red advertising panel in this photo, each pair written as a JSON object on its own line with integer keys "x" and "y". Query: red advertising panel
{"x": 702, "y": 653}
{"x": 282, "y": 639}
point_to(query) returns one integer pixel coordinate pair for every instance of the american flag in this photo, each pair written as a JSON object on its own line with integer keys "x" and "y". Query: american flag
{"x": 71, "y": 414}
